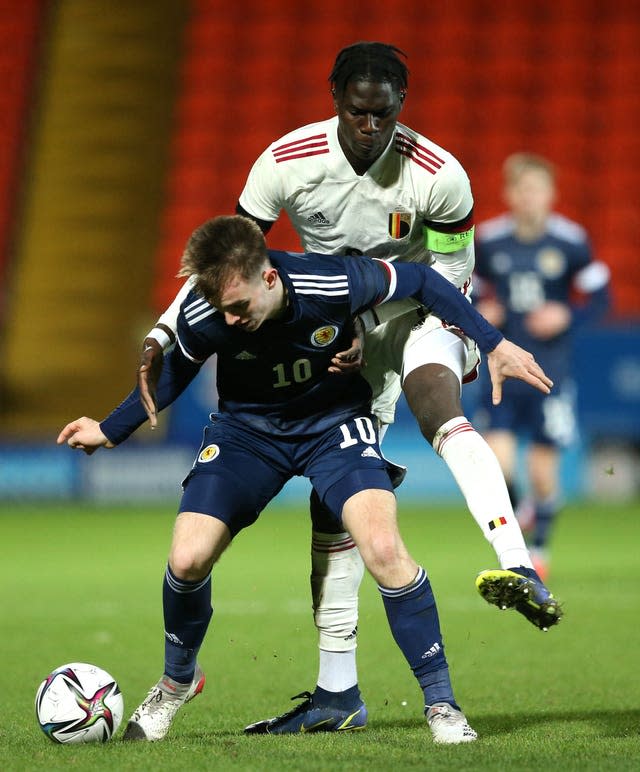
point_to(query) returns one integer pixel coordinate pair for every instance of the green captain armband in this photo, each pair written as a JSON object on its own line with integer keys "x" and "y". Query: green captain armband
{"x": 436, "y": 241}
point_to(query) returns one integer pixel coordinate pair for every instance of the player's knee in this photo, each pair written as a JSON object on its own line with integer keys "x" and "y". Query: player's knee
{"x": 433, "y": 395}
{"x": 428, "y": 425}
{"x": 186, "y": 564}
{"x": 381, "y": 556}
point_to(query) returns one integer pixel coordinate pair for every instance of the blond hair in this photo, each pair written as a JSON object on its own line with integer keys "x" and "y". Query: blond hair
{"x": 518, "y": 163}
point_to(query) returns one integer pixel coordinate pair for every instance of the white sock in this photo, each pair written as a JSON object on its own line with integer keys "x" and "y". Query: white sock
{"x": 337, "y": 670}
{"x": 479, "y": 477}
{"x": 336, "y": 572}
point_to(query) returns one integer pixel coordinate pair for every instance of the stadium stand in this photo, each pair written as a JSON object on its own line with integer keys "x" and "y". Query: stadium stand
{"x": 120, "y": 163}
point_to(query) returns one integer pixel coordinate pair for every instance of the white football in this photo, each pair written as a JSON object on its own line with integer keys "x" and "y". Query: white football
{"x": 79, "y": 703}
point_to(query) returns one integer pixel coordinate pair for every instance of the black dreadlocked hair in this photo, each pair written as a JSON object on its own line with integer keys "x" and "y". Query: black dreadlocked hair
{"x": 378, "y": 62}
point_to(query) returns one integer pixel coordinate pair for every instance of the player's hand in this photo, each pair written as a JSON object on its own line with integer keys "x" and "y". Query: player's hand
{"x": 510, "y": 361}
{"x": 351, "y": 360}
{"x": 549, "y": 320}
{"x": 84, "y": 434}
{"x": 149, "y": 371}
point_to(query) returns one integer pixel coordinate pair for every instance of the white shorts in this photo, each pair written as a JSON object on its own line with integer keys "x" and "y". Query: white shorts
{"x": 398, "y": 347}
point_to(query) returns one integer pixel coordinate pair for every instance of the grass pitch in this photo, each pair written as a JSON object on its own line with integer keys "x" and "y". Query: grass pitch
{"x": 84, "y": 584}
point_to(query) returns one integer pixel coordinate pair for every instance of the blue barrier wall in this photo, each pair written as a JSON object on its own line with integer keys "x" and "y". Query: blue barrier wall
{"x": 607, "y": 367}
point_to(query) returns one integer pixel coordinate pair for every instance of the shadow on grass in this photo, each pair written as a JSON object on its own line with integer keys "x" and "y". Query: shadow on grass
{"x": 610, "y": 723}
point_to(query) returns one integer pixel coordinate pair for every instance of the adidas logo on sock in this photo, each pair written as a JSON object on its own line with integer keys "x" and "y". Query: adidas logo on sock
{"x": 318, "y": 219}
{"x": 432, "y": 651}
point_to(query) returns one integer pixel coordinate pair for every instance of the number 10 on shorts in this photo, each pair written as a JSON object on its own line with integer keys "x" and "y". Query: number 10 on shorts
{"x": 366, "y": 432}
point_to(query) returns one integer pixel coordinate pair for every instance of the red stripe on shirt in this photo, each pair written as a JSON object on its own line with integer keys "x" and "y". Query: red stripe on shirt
{"x": 421, "y": 148}
{"x": 418, "y": 153}
{"x": 452, "y": 227}
{"x": 389, "y": 271}
{"x": 293, "y": 155}
{"x": 299, "y": 142}
{"x": 411, "y": 156}
{"x": 298, "y": 148}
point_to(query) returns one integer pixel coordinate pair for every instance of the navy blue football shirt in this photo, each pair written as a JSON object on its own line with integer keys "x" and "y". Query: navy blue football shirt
{"x": 525, "y": 275}
{"x": 276, "y": 378}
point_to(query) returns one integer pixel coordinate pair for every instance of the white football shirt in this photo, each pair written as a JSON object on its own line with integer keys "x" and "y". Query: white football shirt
{"x": 380, "y": 213}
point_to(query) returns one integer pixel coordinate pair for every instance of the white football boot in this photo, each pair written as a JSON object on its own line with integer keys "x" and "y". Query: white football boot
{"x": 449, "y": 725}
{"x": 152, "y": 719}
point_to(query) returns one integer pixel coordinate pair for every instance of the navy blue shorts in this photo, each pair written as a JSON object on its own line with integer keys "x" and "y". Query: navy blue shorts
{"x": 239, "y": 470}
{"x": 525, "y": 411}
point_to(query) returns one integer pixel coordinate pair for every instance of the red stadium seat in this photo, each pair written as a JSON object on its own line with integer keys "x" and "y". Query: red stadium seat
{"x": 569, "y": 73}
{"x": 560, "y": 79}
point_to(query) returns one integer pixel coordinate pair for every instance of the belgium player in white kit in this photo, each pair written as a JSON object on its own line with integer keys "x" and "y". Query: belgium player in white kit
{"x": 362, "y": 183}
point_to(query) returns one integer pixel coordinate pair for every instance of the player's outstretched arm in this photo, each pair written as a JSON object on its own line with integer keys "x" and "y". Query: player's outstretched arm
{"x": 510, "y": 361}
{"x": 149, "y": 371}
{"x": 84, "y": 434}
{"x": 157, "y": 341}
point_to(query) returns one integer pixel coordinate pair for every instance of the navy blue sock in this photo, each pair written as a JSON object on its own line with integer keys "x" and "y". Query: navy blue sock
{"x": 187, "y": 611}
{"x": 545, "y": 515}
{"x": 349, "y": 698}
{"x": 414, "y": 623}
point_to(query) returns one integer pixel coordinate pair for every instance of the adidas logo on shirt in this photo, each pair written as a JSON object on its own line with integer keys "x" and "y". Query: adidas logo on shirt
{"x": 369, "y": 453}
{"x": 318, "y": 219}
{"x": 244, "y": 355}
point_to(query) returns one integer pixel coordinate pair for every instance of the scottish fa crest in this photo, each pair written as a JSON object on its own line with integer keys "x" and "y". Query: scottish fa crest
{"x": 551, "y": 262}
{"x": 324, "y": 335}
{"x": 209, "y": 453}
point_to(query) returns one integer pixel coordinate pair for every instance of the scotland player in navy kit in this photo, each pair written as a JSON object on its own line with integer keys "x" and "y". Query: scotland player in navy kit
{"x": 530, "y": 262}
{"x": 361, "y": 182}
{"x": 275, "y": 321}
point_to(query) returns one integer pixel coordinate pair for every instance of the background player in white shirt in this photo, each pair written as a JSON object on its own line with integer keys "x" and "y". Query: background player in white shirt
{"x": 362, "y": 183}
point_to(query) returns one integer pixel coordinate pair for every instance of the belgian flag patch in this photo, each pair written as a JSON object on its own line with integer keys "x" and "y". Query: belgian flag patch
{"x": 399, "y": 224}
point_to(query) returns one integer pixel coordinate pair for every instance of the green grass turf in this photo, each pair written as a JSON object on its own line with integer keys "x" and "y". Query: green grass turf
{"x": 82, "y": 583}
